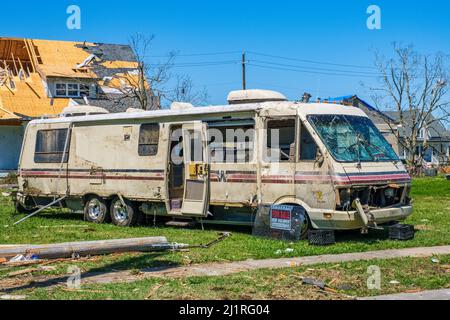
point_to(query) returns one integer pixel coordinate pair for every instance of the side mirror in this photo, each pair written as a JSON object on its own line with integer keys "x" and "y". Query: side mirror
{"x": 320, "y": 159}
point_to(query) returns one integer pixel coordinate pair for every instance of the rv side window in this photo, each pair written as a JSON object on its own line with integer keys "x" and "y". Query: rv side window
{"x": 281, "y": 140}
{"x": 232, "y": 141}
{"x": 149, "y": 140}
{"x": 308, "y": 148}
{"x": 50, "y": 146}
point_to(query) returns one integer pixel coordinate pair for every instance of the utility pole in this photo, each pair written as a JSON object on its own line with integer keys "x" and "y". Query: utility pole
{"x": 244, "y": 79}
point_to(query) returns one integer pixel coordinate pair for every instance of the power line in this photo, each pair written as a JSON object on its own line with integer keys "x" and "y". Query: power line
{"x": 195, "y": 54}
{"x": 199, "y": 64}
{"x": 314, "y": 68}
{"x": 311, "y": 61}
{"x": 310, "y": 72}
{"x": 273, "y": 65}
{"x": 286, "y": 87}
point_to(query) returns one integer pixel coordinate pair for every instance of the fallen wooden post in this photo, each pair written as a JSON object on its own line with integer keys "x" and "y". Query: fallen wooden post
{"x": 90, "y": 248}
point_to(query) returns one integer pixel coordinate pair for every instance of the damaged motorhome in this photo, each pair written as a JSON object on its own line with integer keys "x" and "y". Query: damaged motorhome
{"x": 218, "y": 164}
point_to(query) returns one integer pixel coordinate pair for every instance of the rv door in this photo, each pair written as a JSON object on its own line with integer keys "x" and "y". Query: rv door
{"x": 196, "y": 158}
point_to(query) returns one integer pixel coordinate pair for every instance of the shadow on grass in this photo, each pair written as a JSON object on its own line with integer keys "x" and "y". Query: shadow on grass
{"x": 129, "y": 264}
{"x": 355, "y": 236}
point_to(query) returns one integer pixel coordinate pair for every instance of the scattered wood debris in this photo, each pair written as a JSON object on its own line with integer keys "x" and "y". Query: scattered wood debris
{"x": 22, "y": 272}
{"x": 153, "y": 291}
{"x": 12, "y": 297}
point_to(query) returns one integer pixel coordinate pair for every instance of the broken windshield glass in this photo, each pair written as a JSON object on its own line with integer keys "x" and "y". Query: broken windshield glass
{"x": 352, "y": 138}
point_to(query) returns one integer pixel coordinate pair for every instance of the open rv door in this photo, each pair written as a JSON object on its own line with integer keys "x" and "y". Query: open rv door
{"x": 196, "y": 158}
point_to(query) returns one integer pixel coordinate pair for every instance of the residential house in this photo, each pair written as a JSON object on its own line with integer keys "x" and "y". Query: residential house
{"x": 41, "y": 77}
{"x": 437, "y": 137}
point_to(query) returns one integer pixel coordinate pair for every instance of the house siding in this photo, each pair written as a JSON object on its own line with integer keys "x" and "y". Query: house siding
{"x": 11, "y": 138}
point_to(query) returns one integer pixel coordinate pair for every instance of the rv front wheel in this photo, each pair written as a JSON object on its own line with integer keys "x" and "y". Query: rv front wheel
{"x": 96, "y": 210}
{"x": 124, "y": 213}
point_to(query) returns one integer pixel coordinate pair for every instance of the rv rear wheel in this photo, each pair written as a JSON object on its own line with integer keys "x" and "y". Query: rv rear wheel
{"x": 21, "y": 209}
{"x": 124, "y": 213}
{"x": 96, "y": 210}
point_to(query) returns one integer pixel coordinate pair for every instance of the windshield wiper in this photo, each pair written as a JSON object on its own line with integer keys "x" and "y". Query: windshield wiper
{"x": 373, "y": 155}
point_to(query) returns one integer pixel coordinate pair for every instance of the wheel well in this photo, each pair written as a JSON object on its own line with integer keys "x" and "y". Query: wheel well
{"x": 90, "y": 195}
{"x": 293, "y": 202}
{"x": 297, "y": 203}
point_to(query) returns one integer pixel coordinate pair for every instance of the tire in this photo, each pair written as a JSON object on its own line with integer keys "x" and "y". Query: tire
{"x": 21, "y": 209}
{"x": 96, "y": 210}
{"x": 124, "y": 216}
{"x": 305, "y": 224}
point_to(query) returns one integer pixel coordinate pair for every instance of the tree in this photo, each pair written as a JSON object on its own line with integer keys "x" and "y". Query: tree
{"x": 415, "y": 86}
{"x": 148, "y": 84}
{"x": 184, "y": 92}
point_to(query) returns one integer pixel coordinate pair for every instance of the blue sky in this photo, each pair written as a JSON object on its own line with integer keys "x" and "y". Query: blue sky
{"x": 333, "y": 33}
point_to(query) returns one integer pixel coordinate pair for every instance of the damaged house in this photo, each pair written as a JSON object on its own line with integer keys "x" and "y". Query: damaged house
{"x": 40, "y": 78}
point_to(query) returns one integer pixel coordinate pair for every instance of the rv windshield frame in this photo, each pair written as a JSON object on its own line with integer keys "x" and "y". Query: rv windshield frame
{"x": 369, "y": 143}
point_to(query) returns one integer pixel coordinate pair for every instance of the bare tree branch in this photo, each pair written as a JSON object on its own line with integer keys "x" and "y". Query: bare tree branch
{"x": 416, "y": 88}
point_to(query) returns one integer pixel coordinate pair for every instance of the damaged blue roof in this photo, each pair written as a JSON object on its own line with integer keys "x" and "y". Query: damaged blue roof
{"x": 367, "y": 105}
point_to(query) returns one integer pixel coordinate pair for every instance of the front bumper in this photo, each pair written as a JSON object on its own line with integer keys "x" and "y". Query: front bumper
{"x": 342, "y": 220}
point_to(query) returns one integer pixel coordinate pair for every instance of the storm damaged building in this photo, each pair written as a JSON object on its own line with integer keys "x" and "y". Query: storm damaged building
{"x": 40, "y": 78}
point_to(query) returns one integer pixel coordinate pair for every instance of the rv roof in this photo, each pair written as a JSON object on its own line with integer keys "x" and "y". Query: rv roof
{"x": 271, "y": 108}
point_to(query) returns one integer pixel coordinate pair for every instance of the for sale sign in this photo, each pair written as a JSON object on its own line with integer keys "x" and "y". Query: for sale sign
{"x": 281, "y": 218}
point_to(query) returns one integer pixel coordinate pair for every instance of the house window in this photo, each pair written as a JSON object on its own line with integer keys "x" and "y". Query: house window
{"x": 148, "y": 140}
{"x": 84, "y": 90}
{"x": 61, "y": 89}
{"x": 50, "y": 146}
{"x": 281, "y": 140}
{"x": 74, "y": 90}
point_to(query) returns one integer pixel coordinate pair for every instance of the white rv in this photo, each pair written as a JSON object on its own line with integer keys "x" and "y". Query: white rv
{"x": 330, "y": 160}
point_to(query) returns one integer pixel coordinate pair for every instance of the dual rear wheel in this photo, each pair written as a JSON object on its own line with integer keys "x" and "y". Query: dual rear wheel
{"x": 121, "y": 213}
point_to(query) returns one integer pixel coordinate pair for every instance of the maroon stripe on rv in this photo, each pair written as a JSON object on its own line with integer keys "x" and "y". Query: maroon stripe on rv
{"x": 44, "y": 175}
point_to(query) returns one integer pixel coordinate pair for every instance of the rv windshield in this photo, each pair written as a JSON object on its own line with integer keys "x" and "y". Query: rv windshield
{"x": 352, "y": 138}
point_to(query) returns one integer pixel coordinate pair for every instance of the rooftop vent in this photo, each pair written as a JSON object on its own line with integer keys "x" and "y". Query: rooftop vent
{"x": 134, "y": 110}
{"x": 179, "y": 106}
{"x": 254, "y": 96}
{"x": 78, "y": 111}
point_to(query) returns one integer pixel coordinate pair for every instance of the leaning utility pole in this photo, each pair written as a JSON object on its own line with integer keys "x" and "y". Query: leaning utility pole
{"x": 244, "y": 80}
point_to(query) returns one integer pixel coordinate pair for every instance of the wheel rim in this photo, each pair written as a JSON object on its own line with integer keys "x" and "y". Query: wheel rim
{"x": 94, "y": 209}
{"x": 304, "y": 224}
{"x": 120, "y": 212}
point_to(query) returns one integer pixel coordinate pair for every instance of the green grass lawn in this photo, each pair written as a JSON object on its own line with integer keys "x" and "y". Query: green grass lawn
{"x": 431, "y": 218}
{"x": 348, "y": 280}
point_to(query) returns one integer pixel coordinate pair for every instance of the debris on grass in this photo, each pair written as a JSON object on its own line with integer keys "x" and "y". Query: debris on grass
{"x": 314, "y": 282}
{"x": 394, "y": 282}
{"x": 64, "y": 226}
{"x": 12, "y": 297}
{"x": 21, "y": 272}
{"x": 345, "y": 287}
{"x": 435, "y": 260}
{"x": 153, "y": 291}
{"x": 47, "y": 268}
